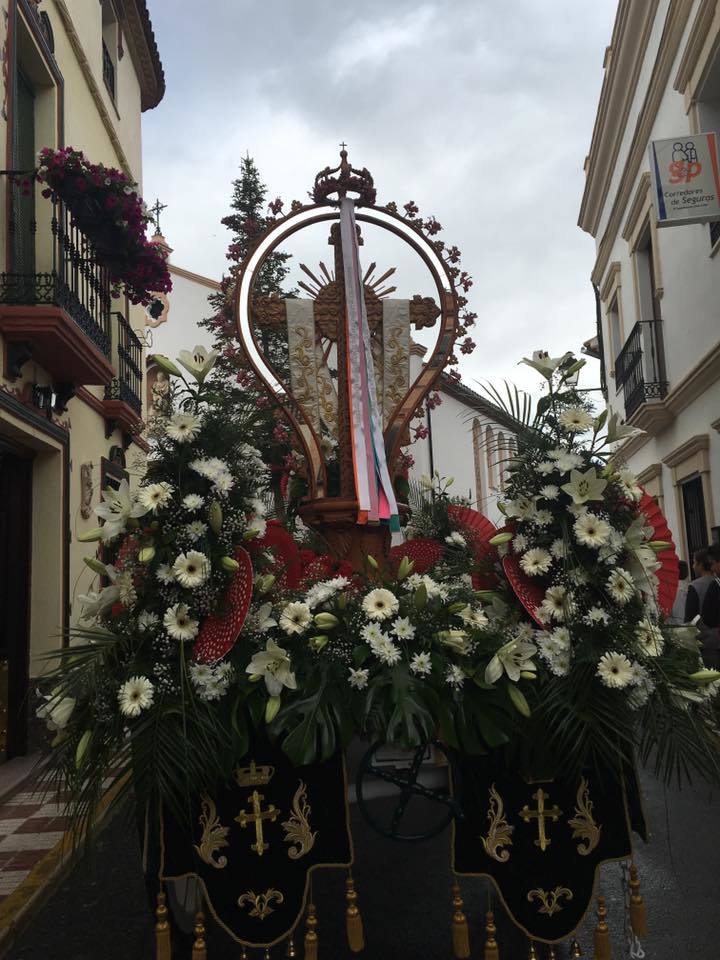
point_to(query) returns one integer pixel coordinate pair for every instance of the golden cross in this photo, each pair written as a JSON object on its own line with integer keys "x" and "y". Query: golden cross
{"x": 257, "y": 816}
{"x": 541, "y": 814}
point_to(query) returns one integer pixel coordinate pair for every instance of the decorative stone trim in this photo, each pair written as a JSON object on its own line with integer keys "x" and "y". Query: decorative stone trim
{"x": 695, "y": 449}
{"x": 698, "y": 40}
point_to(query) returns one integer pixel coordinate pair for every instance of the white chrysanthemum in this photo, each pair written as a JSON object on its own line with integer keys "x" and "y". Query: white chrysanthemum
{"x": 520, "y": 543}
{"x": 565, "y": 461}
{"x": 456, "y": 540}
{"x": 257, "y": 526}
{"x": 560, "y": 665}
{"x": 164, "y": 574}
{"x": 191, "y": 569}
{"x": 649, "y": 638}
{"x": 126, "y": 587}
{"x": 575, "y": 420}
{"x": 546, "y": 467}
{"x": 200, "y": 673}
{"x": 195, "y": 530}
{"x": 295, "y": 618}
{"x": 318, "y": 593}
{"x": 559, "y": 549}
{"x": 193, "y": 501}
{"x": 620, "y": 586}
{"x": 179, "y": 624}
{"x": 183, "y": 427}
{"x": 371, "y": 633}
{"x": 421, "y": 664}
{"x": 550, "y": 492}
{"x": 591, "y": 530}
{"x": 155, "y": 495}
{"x": 473, "y": 617}
{"x": 560, "y": 639}
{"x": 358, "y": 679}
{"x": 536, "y": 562}
{"x": 385, "y": 650}
{"x": 597, "y": 615}
{"x": 454, "y": 676}
{"x": 615, "y": 670}
{"x": 380, "y": 604}
{"x": 541, "y": 519}
{"x": 135, "y": 695}
{"x": 147, "y": 621}
{"x": 523, "y": 632}
{"x": 403, "y": 629}
{"x": 223, "y": 484}
{"x": 209, "y": 468}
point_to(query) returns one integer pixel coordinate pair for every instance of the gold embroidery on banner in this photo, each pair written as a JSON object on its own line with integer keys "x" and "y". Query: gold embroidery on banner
{"x": 550, "y": 900}
{"x": 541, "y": 814}
{"x": 260, "y": 902}
{"x": 500, "y": 832}
{"x": 214, "y": 835}
{"x": 257, "y": 816}
{"x": 303, "y": 373}
{"x": 583, "y": 823}
{"x": 254, "y": 776}
{"x": 297, "y": 827}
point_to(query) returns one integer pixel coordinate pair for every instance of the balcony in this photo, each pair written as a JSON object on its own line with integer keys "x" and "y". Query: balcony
{"x": 55, "y": 298}
{"x": 123, "y": 395}
{"x": 640, "y": 371}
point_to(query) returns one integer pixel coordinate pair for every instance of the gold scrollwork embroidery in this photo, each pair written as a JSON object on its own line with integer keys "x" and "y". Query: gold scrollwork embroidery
{"x": 583, "y": 823}
{"x": 500, "y": 832}
{"x": 297, "y": 827}
{"x": 260, "y": 902}
{"x": 214, "y": 835}
{"x": 550, "y": 899}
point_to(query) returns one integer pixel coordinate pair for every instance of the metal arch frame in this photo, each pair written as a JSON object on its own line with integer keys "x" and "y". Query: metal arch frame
{"x": 309, "y": 215}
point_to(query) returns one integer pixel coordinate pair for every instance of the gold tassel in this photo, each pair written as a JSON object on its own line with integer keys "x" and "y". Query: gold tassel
{"x": 311, "y": 937}
{"x": 532, "y": 955}
{"x": 603, "y": 947}
{"x": 551, "y": 953}
{"x": 290, "y": 950}
{"x": 491, "y": 947}
{"x": 638, "y": 915}
{"x": 199, "y": 950}
{"x": 575, "y": 951}
{"x": 353, "y": 919}
{"x": 163, "y": 944}
{"x": 460, "y": 935}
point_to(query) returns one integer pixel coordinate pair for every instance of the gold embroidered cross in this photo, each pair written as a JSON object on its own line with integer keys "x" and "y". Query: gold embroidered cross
{"x": 258, "y": 816}
{"x": 541, "y": 814}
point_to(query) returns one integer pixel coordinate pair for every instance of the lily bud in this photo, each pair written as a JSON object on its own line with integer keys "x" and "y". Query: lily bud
{"x": 575, "y": 368}
{"x": 146, "y": 554}
{"x": 271, "y": 708}
{"x": 81, "y": 748}
{"x": 251, "y": 534}
{"x": 215, "y": 517}
{"x": 421, "y": 597}
{"x": 95, "y": 565}
{"x": 449, "y": 482}
{"x": 500, "y": 538}
{"x": 406, "y": 567}
{"x": 227, "y": 563}
{"x": 166, "y": 365}
{"x": 341, "y": 601}
{"x": 457, "y": 607}
{"x": 704, "y": 676}
{"x": 486, "y": 595}
{"x": 326, "y": 621}
{"x": 317, "y": 643}
{"x": 90, "y": 536}
{"x": 265, "y": 582}
{"x": 518, "y": 700}
{"x": 528, "y": 675}
{"x": 502, "y": 508}
{"x": 255, "y": 677}
{"x": 372, "y": 562}
{"x": 659, "y": 545}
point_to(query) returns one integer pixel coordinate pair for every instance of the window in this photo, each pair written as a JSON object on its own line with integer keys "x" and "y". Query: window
{"x": 645, "y": 278}
{"x": 615, "y": 330}
{"x": 693, "y": 502}
{"x": 489, "y": 446}
{"x": 109, "y": 46}
{"x": 477, "y": 459}
{"x": 714, "y": 233}
{"x": 500, "y": 457}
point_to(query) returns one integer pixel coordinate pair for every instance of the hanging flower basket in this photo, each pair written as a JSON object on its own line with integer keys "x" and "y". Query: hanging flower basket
{"x": 106, "y": 206}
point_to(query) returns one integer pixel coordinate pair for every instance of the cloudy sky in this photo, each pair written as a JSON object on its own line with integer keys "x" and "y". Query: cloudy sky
{"x": 482, "y": 118}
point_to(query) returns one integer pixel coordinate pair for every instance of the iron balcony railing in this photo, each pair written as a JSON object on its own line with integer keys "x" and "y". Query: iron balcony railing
{"x": 640, "y": 366}
{"x": 127, "y": 385}
{"x": 108, "y": 70}
{"x": 53, "y": 262}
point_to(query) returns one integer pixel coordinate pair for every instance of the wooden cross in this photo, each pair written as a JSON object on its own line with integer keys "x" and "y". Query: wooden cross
{"x": 541, "y": 814}
{"x": 258, "y": 816}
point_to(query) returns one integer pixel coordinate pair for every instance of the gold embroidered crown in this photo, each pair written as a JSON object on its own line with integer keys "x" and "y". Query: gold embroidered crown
{"x": 330, "y": 189}
{"x": 254, "y": 776}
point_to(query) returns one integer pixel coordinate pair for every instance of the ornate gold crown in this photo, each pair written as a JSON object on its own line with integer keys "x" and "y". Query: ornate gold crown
{"x": 254, "y": 776}
{"x": 330, "y": 188}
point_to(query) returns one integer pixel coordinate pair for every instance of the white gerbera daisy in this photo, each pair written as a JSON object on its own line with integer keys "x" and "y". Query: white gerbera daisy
{"x": 191, "y": 569}
{"x": 183, "y": 427}
{"x": 556, "y": 603}
{"x": 179, "y": 624}
{"x": 134, "y": 696}
{"x": 615, "y": 670}
{"x": 649, "y": 638}
{"x": 575, "y": 420}
{"x": 155, "y": 495}
{"x": 454, "y": 677}
{"x": 195, "y": 530}
{"x": 620, "y": 586}
{"x": 164, "y": 574}
{"x": 193, "y": 501}
{"x": 403, "y": 629}
{"x": 380, "y": 604}
{"x": 550, "y": 492}
{"x": 358, "y": 679}
{"x": 591, "y": 530}
{"x": 536, "y": 561}
{"x": 421, "y": 664}
{"x": 295, "y": 618}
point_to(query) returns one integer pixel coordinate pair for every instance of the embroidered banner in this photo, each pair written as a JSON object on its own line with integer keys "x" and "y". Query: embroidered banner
{"x": 396, "y": 354}
{"x": 301, "y": 352}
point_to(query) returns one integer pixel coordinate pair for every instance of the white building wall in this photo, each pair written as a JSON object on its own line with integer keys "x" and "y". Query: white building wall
{"x": 178, "y": 327}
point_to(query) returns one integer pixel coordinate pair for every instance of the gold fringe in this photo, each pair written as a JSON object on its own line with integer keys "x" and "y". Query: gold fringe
{"x": 353, "y": 918}
{"x": 290, "y": 949}
{"x": 532, "y": 953}
{"x": 311, "y": 937}
{"x": 575, "y": 951}
{"x": 492, "y": 951}
{"x": 163, "y": 944}
{"x": 199, "y": 950}
{"x": 460, "y": 935}
{"x": 551, "y": 953}
{"x": 603, "y": 947}
{"x": 638, "y": 914}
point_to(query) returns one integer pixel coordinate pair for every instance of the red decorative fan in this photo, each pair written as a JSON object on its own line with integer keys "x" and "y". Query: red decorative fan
{"x": 477, "y": 530}
{"x": 528, "y": 593}
{"x": 218, "y": 634}
{"x": 286, "y": 553}
{"x": 669, "y": 573}
{"x": 423, "y": 552}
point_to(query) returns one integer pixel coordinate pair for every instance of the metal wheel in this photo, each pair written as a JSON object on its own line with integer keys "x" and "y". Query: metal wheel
{"x": 405, "y": 779}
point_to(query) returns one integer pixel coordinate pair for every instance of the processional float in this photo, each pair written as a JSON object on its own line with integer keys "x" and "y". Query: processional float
{"x": 345, "y": 386}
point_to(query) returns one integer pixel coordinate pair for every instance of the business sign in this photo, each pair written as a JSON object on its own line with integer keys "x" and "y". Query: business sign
{"x": 686, "y": 180}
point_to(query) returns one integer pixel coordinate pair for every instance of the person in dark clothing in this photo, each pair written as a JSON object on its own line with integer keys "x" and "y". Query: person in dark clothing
{"x": 678, "y": 610}
{"x": 710, "y": 611}
{"x": 703, "y": 603}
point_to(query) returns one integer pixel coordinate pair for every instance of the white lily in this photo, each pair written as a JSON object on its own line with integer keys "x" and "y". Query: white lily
{"x": 512, "y": 658}
{"x": 199, "y": 363}
{"x": 273, "y": 665}
{"x": 585, "y": 486}
{"x": 544, "y": 363}
{"x": 56, "y": 711}
{"x": 117, "y": 508}
{"x": 620, "y": 431}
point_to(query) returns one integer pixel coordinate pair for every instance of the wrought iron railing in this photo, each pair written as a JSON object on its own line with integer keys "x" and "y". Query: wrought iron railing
{"x": 127, "y": 385}
{"x": 53, "y": 262}
{"x": 108, "y": 70}
{"x": 640, "y": 366}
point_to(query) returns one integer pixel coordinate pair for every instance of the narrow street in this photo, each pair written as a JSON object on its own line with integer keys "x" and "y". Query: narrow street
{"x": 100, "y": 910}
